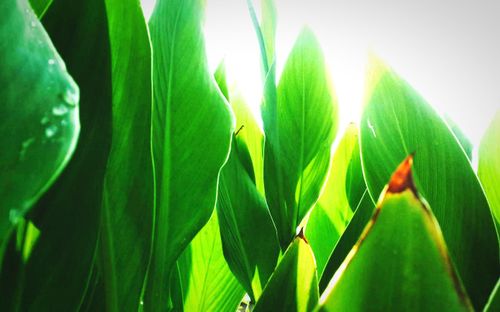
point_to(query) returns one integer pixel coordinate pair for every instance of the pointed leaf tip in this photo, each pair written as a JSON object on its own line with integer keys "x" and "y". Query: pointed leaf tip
{"x": 402, "y": 178}
{"x": 302, "y": 235}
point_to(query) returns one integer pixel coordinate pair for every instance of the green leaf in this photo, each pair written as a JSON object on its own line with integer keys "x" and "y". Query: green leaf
{"x": 332, "y": 212}
{"x": 40, "y": 6}
{"x": 489, "y": 165}
{"x": 400, "y": 262}
{"x": 191, "y": 137}
{"x": 243, "y": 214}
{"x": 212, "y": 286}
{"x": 396, "y": 122}
{"x": 299, "y": 128}
{"x": 248, "y": 234}
{"x": 349, "y": 237}
{"x": 68, "y": 215}
{"x": 494, "y": 301}
{"x": 39, "y": 123}
{"x": 294, "y": 285}
{"x": 128, "y": 201}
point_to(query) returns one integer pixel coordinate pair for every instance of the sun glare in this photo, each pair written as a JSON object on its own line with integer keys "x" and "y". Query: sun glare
{"x": 448, "y": 57}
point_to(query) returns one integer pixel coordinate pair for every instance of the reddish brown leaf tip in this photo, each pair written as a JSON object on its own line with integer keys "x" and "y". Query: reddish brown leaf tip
{"x": 402, "y": 178}
{"x": 302, "y": 235}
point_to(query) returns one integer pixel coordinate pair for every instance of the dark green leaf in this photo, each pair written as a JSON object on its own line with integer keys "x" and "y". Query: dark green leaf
{"x": 40, "y": 6}
{"x": 299, "y": 127}
{"x": 400, "y": 262}
{"x": 191, "y": 137}
{"x": 68, "y": 216}
{"x": 396, "y": 122}
{"x": 38, "y": 116}
{"x": 128, "y": 201}
{"x": 494, "y": 301}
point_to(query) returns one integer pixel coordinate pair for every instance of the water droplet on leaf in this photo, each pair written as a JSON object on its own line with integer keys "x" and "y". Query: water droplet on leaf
{"x": 52, "y": 61}
{"x": 50, "y": 131}
{"x": 59, "y": 110}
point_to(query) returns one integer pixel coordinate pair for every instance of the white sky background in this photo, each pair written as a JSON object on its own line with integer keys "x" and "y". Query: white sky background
{"x": 449, "y": 51}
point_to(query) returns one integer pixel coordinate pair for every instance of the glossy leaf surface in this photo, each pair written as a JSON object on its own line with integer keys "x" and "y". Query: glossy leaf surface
{"x": 39, "y": 123}
{"x": 294, "y": 284}
{"x": 397, "y": 122}
{"x": 489, "y": 165}
{"x": 68, "y": 215}
{"x": 299, "y": 128}
{"x": 191, "y": 137}
{"x": 400, "y": 262}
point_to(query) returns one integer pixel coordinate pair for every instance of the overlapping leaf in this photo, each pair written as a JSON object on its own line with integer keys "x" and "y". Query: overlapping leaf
{"x": 191, "y": 136}
{"x": 38, "y": 116}
{"x": 299, "y": 127}
{"x": 243, "y": 214}
{"x": 400, "y": 263}
{"x": 294, "y": 284}
{"x": 332, "y": 212}
{"x": 396, "y": 122}
{"x": 68, "y": 216}
{"x": 210, "y": 286}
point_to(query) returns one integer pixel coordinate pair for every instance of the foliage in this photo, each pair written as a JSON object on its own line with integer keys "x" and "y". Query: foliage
{"x": 151, "y": 185}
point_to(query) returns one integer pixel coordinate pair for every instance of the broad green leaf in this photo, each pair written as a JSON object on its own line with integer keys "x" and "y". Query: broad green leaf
{"x": 39, "y": 123}
{"x": 400, "y": 262}
{"x": 40, "y": 6}
{"x": 243, "y": 214}
{"x": 332, "y": 212}
{"x": 212, "y": 286}
{"x": 128, "y": 201}
{"x": 349, "y": 237}
{"x": 248, "y": 234}
{"x": 489, "y": 165}
{"x": 299, "y": 127}
{"x": 68, "y": 215}
{"x": 494, "y": 301}
{"x": 294, "y": 284}
{"x": 191, "y": 137}
{"x": 397, "y": 122}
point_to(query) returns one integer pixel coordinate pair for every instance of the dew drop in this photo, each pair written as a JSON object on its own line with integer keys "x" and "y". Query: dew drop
{"x": 141, "y": 303}
{"x": 50, "y": 131}
{"x": 51, "y": 62}
{"x": 59, "y": 110}
{"x": 70, "y": 97}
{"x": 45, "y": 120}
{"x": 33, "y": 24}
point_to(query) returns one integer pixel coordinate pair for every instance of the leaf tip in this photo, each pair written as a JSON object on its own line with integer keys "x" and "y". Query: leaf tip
{"x": 402, "y": 178}
{"x": 302, "y": 235}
